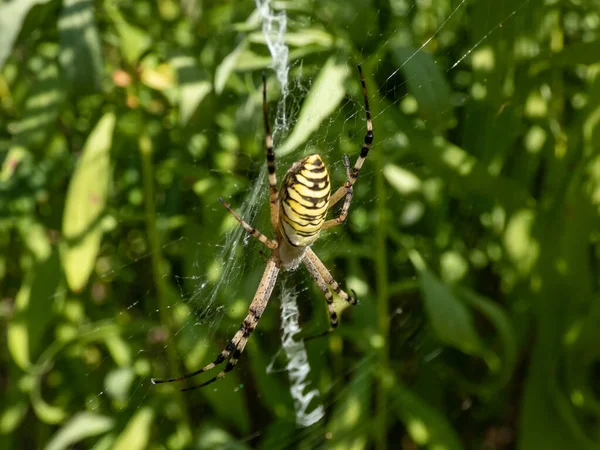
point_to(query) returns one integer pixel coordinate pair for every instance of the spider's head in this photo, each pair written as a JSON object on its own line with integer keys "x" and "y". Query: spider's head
{"x": 304, "y": 199}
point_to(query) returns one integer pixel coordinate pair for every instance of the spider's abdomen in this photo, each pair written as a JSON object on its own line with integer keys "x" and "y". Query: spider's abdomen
{"x": 304, "y": 199}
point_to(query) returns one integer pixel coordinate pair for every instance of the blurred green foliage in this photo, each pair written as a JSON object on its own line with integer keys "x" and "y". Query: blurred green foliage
{"x": 472, "y": 240}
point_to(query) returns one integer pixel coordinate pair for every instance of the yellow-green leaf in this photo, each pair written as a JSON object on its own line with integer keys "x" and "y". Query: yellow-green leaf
{"x": 82, "y": 425}
{"x": 86, "y": 200}
{"x": 323, "y": 99}
{"x": 33, "y": 311}
{"x": 136, "y": 434}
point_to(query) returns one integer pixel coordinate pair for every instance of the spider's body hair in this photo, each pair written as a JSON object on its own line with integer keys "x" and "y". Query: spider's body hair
{"x": 303, "y": 202}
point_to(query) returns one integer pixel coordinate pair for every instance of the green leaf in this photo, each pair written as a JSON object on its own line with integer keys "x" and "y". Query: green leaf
{"x": 41, "y": 108}
{"x": 117, "y": 383}
{"x": 426, "y": 426}
{"x": 499, "y": 318}
{"x": 86, "y": 200}
{"x": 80, "y": 55}
{"x": 14, "y": 410}
{"x": 136, "y": 434}
{"x": 322, "y": 100}
{"x": 522, "y": 247}
{"x": 308, "y": 36}
{"x": 227, "y": 66}
{"x": 33, "y": 311}
{"x": 427, "y": 83}
{"x": 134, "y": 41}
{"x": 12, "y": 16}
{"x": 448, "y": 316}
{"x": 81, "y": 426}
{"x": 211, "y": 437}
{"x": 35, "y": 238}
{"x": 194, "y": 86}
{"x": 402, "y": 180}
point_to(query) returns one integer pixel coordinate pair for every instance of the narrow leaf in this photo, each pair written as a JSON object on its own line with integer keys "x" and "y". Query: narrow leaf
{"x": 134, "y": 41}
{"x": 86, "y": 199}
{"x": 80, "y": 54}
{"x": 81, "y": 426}
{"x": 427, "y": 83}
{"x": 33, "y": 311}
{"x": 227, "y": 66}
{"x": 194, "y": 86}
{"x": 136, "y": 434}
{"x": 41, "y": 108}
{"x": 323, "y": 99}
{"x": 12, "y": 16}
{"x": 448, "y": 316}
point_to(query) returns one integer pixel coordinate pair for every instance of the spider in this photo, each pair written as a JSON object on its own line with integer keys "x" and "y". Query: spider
{"x": 298, "y": 214}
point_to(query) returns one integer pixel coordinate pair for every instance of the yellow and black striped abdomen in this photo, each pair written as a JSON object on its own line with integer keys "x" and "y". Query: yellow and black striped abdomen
{"x": 304, "y": 199}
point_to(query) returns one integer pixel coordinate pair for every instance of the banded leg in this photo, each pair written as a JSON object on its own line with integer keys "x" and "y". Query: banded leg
{"x": 270, "y": 162}
{"x": 339, "y": 194}
{"x": 349, "y": 192}
{"x": 236, "y": 346}
{"x": 324, "y": 273}
{"x": 271, "y": 243}
{"x": 316, "y": 276}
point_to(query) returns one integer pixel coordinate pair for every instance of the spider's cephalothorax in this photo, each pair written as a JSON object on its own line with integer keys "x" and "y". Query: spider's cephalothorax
{"x": 298, "y": 214}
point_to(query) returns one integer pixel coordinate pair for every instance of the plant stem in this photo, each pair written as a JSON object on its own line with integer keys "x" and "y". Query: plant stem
{"x": 145, "y": 145}
{"x": 381, "y": 274}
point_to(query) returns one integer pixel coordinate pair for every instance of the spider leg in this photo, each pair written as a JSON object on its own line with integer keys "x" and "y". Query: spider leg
{"x": 238, "y": 343}
{"x": 326, "y": 276}
{"x": 341, "y": 192}
{"x": 272, "y": 244}
{"x": 349, "y": 192}
{"x": 316, "y": 276}
{"x": 273, "y": 195}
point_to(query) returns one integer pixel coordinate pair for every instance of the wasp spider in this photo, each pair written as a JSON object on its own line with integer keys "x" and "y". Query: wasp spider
{"x": 297, "y": 217}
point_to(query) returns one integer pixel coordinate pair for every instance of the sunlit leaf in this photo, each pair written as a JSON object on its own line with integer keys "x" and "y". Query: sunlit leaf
{"x": 227, "y": 66}
{"x": 13, "y": 411}
{"x": 118, "y": 383}
{"x": 136, "y": 434}
{"x": 86, "y": 200}
{"x": 134, "y": 41}
{"x": 402, "y": 180}
{"x": 322, "y": 100}
{"x": 211, "y": 437}
{"x": 309, "y": 36}
{"x": 194, "y": 86}
{"x": 12, "y": 15}
{"x": 160, "y": 77}
{"x": 80, "y": 53}
{"x": 521, "y": 246}
{"x": 81, "y": 426}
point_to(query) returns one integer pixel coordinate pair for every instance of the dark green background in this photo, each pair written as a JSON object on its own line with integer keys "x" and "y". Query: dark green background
{"x": 472, "y": 239}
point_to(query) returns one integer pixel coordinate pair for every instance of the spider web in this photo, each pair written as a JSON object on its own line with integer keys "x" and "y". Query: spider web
{"x": 197, "y": 297}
